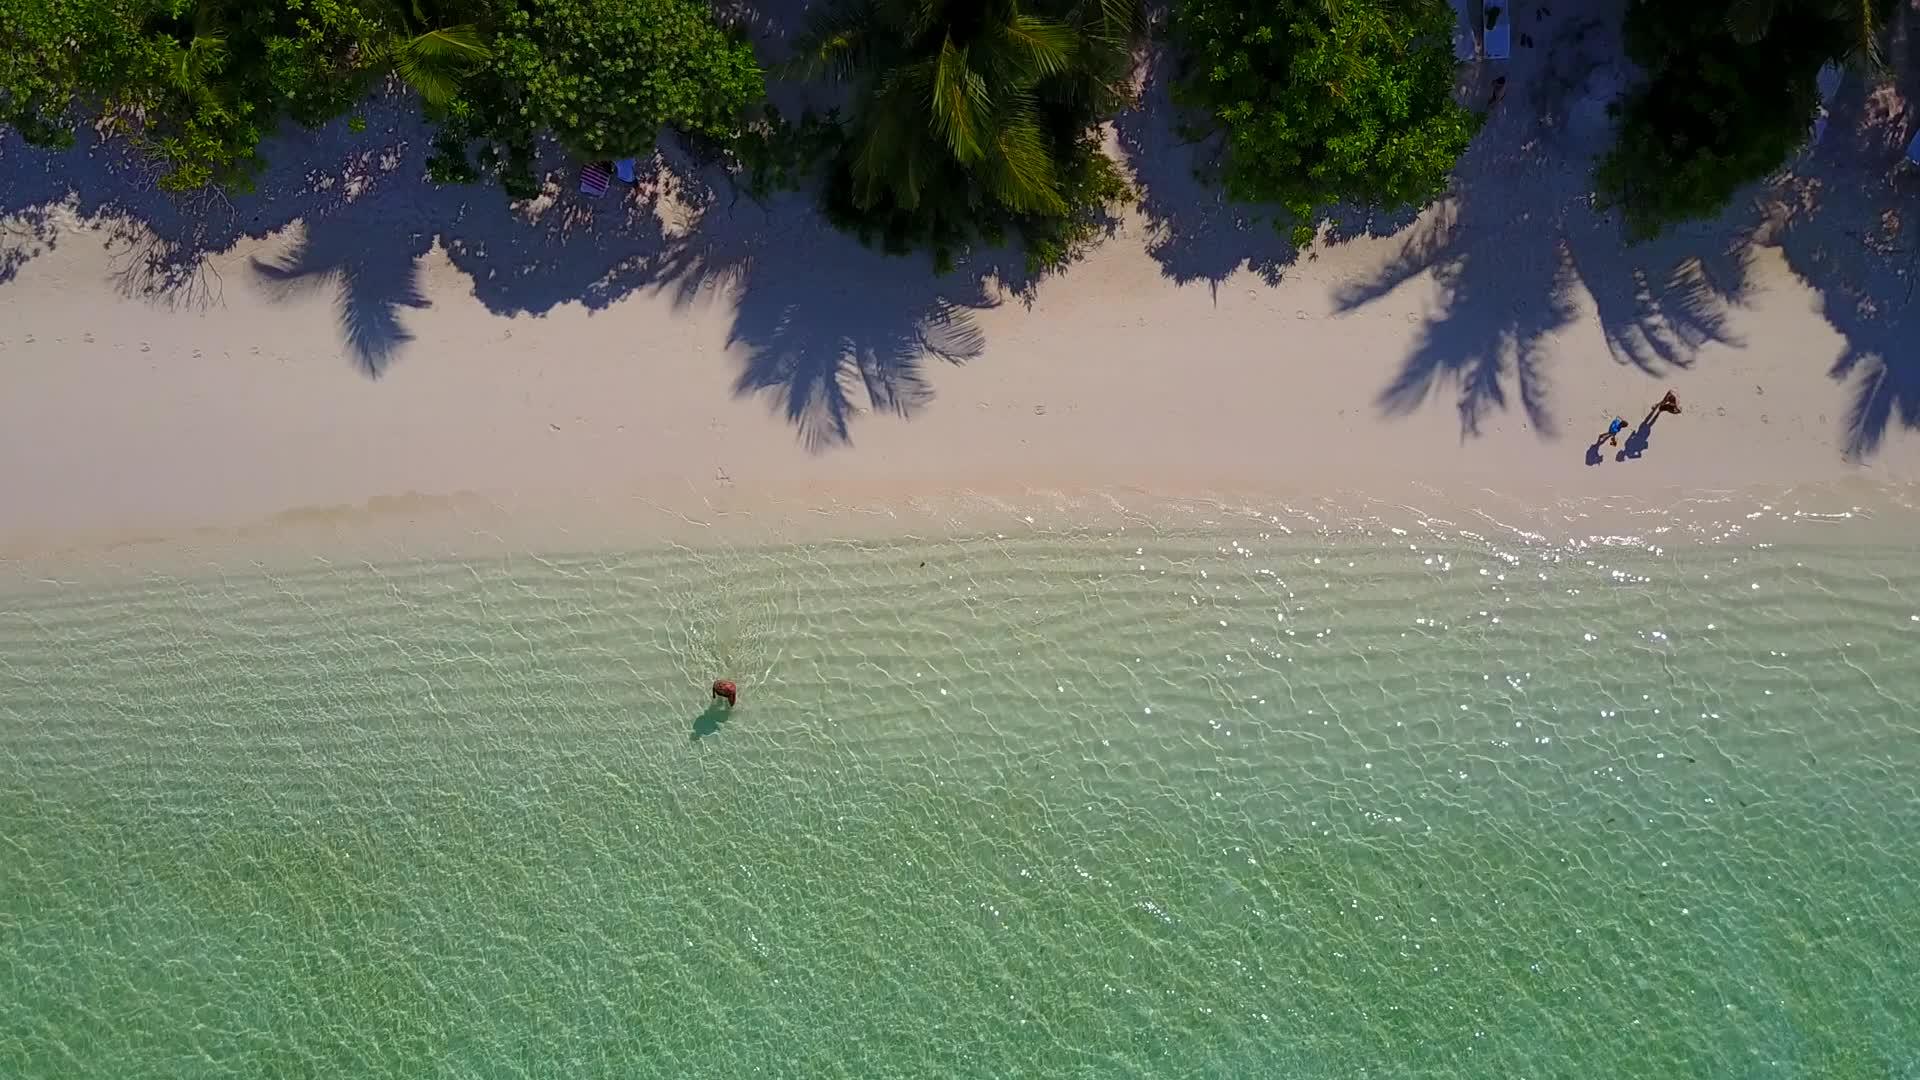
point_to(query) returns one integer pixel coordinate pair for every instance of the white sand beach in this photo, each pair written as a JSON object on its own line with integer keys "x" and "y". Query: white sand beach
{"x": 353, "y": 333}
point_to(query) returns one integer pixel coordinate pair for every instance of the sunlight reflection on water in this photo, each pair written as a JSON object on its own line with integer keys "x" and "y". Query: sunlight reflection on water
{"x": 1244, "y": 793}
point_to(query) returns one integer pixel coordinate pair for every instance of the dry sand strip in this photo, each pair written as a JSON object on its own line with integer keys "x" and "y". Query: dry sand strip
{"x": 360, "y": 335}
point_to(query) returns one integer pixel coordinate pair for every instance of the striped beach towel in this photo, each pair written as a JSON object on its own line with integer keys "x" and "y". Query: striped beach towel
{"x": 593, "y": 180}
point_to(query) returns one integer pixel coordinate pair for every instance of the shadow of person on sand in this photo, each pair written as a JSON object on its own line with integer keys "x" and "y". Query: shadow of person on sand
{"x": 1638, "y": 442}
{"x": 1516, "y": 243}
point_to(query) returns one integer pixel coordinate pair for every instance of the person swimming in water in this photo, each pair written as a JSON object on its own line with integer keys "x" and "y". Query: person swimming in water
{"x": 724, "y": 690}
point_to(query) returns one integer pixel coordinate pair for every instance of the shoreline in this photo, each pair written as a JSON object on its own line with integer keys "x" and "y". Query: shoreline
{"x": 356, "y": 338}
{"x": 414, "y": 530}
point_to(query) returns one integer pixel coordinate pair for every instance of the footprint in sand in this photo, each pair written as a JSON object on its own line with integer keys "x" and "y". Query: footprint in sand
{"x": 144, "y": 347}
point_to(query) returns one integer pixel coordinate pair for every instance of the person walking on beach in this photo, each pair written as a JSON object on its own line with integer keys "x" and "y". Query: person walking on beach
{"x": 1666, "y": 404}
{"x": 1642, "y": 435}
{"x": 1612, "y": 436}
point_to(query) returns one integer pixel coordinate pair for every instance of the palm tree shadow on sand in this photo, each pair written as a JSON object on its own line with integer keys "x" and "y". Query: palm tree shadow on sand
{"x": 1516, "y": 242}
{"x": 372, "y": 283}
{"x": 1843, "y": 217}
{"x": 823, "y": 351}
{"x": 824, "y": 330}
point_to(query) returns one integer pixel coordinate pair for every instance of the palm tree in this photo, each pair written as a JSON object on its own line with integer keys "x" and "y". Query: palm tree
{"x": 963, "y": 100}
{"x": 203, "y": 54}
{"x": 431, "y": 59}
{"x": 195, "y": 43}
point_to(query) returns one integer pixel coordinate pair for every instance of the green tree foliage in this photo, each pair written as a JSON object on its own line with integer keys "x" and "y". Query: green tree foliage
{"x": 973, "y": 117}
{"x": 431, "y": 51}
{"x": 199, "y": 83}
{"x": 1326, "y": 101}
{"x": 50, "y": 51}
{"x": 603, "y": 77}
{"x": 1730, "y": 95}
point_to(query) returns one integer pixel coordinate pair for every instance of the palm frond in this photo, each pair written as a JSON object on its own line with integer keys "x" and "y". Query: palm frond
{"x": 917, "y": 18}
{"x": 1116, "y": 21}
{"x": 1043, "y": 46}
{"x": 454, "y": 42}
{"x": 1749, "y": 20}
{"x": 434, "y": 63}
{"x": 1021, "y": 168}
{"x": 1866, "y": 50}
{"x": 959, "y": 100}
{"x": 887, "y": 161}
{"x": 203, "y": 54}
{"x": 836, "y": 43}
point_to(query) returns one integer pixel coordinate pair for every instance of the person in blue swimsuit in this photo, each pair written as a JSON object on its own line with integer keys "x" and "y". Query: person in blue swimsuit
{"x": 1612, "y": 437}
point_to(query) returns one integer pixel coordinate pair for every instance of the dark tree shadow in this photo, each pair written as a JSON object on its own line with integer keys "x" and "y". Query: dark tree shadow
{"x": 823, "y": 349}
{"x": 769, "y": 24}
{"x": 823, "y": 329}
{"x": 1194, "y": 231}
{"x": 1516, "y": 242}
{"x": 1846, "y": 216}
{"x": 372, "y": 284}
{"x": 157, "y": 241}
{"x": 337, "y": 184}
{"x": 24, "y": 236}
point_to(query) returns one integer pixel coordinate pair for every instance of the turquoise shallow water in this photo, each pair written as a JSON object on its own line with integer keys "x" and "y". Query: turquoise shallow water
{"x": 1266, "y": 795}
